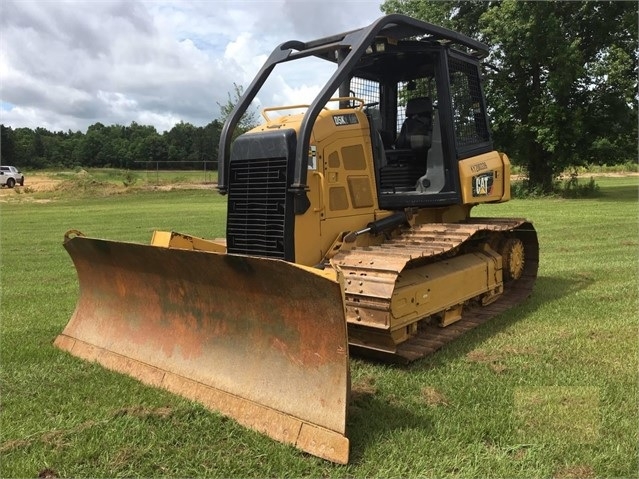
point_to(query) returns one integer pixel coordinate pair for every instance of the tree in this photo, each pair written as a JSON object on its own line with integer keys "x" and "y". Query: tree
{"x": 91, "y": 146}
{"x": 7, "y": 145}
{"x": 181, "y": 141}
{"x": 248, "y": 120}
{"x": 24, "y": 152}
{"x": 562, "y": 86}
{"x": 210, "y": 140}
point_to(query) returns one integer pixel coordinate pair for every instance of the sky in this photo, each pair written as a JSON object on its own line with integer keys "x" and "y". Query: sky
{"x": 66, "y": 65}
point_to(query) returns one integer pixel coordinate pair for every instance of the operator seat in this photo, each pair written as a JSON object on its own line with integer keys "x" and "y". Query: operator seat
{"x": 416, "y": 133}
{"x": 406, "y": 163}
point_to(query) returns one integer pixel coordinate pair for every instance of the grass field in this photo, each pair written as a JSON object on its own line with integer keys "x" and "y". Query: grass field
{"x": 546, "y": 390}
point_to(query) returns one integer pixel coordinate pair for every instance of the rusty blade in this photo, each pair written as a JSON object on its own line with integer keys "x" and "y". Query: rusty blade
{"x": 263, "y": 341}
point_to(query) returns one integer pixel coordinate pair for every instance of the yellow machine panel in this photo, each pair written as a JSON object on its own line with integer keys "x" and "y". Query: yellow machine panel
{"x": 485, "y": 178}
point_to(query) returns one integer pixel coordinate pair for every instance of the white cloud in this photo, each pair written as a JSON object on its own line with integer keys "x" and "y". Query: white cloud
{"x": 66, "y": 65}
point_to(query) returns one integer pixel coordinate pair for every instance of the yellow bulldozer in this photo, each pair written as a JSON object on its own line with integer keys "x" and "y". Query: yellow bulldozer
{"x": 348, "y": 232}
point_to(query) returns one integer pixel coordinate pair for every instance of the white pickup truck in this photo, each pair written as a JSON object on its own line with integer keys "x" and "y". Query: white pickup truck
{"x": 10, "y": 176}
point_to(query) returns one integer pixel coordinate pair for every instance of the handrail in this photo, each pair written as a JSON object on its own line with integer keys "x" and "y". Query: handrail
{"x": 306, "y": 105}
{"x": 321, "y": 206}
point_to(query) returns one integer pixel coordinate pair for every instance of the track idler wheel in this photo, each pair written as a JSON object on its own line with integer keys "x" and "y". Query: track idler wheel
{"x": 513, "y": 258}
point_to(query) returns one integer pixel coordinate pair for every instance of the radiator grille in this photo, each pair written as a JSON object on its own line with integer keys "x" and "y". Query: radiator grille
{"x": 257, "y": 207}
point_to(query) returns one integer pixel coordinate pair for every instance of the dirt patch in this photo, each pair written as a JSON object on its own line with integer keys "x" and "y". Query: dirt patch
{"x": 363, "y": 388}
{"x": 362, "y": 391}
{"x": 482, "y": 356}
{"x": 48, "y": 473}
{"x": 433, "y": 397}
{"x": 495, "y": 359}
{"x": 55, "y": 437}
{"x": 42, "y": 183}
{"x": 575, "y": 472}
{"x": 35, "y": 183}
{"x": 14, "y": 444}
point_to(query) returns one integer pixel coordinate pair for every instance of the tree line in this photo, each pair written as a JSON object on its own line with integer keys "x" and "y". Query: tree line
{"x": 136, "y": 146}
{"x": 184, "y": 146}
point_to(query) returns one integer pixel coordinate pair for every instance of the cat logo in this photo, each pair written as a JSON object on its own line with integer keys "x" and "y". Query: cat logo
{"x": 483, "y": 184}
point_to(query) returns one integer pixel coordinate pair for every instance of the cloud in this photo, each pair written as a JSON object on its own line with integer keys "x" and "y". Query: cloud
{"x": 66, "y": 65}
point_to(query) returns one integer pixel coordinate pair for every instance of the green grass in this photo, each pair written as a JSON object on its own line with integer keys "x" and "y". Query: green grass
{"x": 546, "y": 390}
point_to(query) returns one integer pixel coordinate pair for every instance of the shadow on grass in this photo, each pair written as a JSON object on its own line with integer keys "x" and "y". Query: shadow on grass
{"x": 371, "y": 417}
{"x": 547, "y": 290}
{"x": 625, "y": 193}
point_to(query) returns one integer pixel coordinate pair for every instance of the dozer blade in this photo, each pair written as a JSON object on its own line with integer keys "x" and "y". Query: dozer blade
{"x": 260, "y": 340}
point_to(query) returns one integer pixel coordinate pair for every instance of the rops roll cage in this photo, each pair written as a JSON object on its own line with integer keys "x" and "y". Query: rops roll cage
{"x": 346, "y": 49}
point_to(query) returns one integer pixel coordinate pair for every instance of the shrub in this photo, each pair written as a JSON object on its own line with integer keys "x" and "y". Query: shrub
{"x": 571, "y": 188}
{"x": 129, "y": 178}
{"x": 563, "y": 187}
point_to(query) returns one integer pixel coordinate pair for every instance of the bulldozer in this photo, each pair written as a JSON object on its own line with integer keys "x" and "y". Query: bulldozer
{"x": 348, "y": 231}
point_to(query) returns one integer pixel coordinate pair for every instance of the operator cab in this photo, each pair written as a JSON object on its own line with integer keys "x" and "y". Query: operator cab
{"x": 426, "y": 110}
{"x": 425, "y": 107}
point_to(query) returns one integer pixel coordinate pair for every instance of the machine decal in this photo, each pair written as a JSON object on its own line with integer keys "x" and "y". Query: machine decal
{"x": 483, "y": 184}
{"x": 343, "y": 120}
{"x": 477, "y": 167}
{"x": 312, "y": 157}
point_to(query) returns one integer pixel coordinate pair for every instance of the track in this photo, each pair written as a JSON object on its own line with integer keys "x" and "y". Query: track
{"x": 371, "y": 273}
